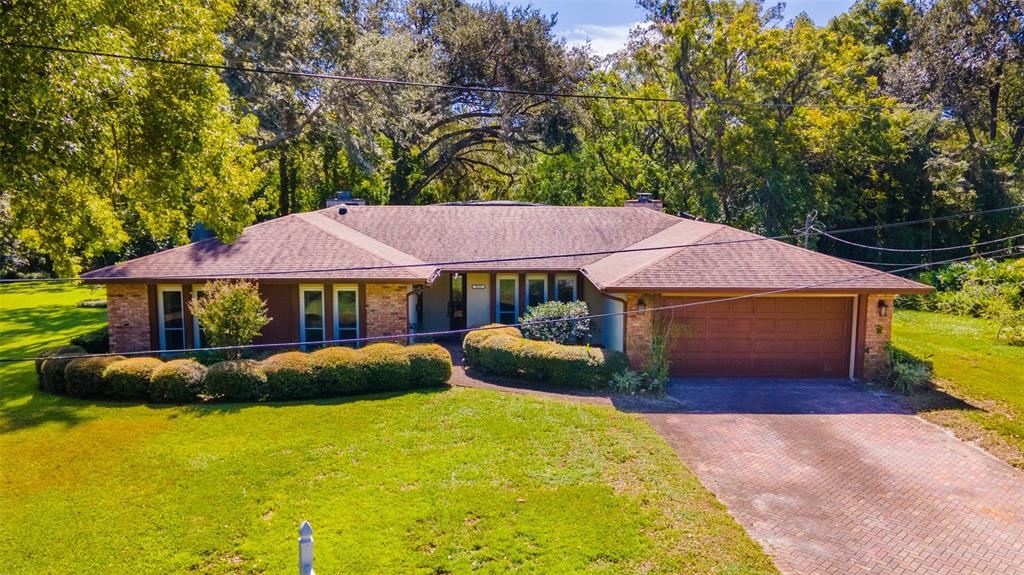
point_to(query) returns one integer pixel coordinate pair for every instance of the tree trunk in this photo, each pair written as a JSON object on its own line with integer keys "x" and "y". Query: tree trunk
{"x": 283, "y": 200}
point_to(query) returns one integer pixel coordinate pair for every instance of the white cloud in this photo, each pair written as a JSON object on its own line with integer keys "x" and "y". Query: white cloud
{"x": 603, "y": 39}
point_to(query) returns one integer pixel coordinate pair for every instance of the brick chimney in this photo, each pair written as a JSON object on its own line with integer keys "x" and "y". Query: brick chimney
{"x": 644, "y": 200}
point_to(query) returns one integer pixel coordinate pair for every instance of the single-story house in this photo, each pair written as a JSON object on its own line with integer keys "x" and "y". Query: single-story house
{"x": 364, "y": 271}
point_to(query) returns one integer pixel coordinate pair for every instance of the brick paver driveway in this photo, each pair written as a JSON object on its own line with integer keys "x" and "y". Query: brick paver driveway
{"x": 832, "y": 478}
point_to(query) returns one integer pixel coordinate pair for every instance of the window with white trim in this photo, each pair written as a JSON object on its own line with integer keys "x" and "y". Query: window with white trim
{"x": 536, "y": 290}
{"x": 198, "y": 333}
{"x": 346, "y": 313}
{"x": 170, "y": 313}
{"x": 311, "y": 313}
{"x": 506, "y": 307}
{"x": 565, "y": 288}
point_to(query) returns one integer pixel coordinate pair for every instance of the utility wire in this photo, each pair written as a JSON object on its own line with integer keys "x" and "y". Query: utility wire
{"x": 548, "y": 256}
{"x": 453, "y": 87}
{"x": 529, "y": 323}
{"x": 921, "y": 250}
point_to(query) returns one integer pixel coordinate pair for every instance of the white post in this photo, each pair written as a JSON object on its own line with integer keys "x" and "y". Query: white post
{"x": 305, "y": 549}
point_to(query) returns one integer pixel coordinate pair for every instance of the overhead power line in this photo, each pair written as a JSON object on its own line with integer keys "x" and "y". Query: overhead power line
{"x": 453, "y": 87}
{"x": 442, "y": 264}
{"x": 920, "y": 250}
{"x": 356, "y": 340}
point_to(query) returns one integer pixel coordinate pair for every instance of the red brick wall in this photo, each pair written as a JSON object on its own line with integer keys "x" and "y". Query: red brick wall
{"x": 877, "y": 331}
{"x": 128, "y": 317}
{"x": 639, "y": 330}
{"x": 387, "y": 309}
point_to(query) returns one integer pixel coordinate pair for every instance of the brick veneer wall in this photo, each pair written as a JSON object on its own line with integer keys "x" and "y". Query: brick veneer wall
{"x": 877, "y": 331}
{"x": 638, "y": 330}
{"x": 128, "y": 317}
{"x": 387, "y": 309}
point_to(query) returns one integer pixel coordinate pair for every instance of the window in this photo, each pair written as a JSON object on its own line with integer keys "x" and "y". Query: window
{"x": 507, "y": 307}
{"x": 198, "y": 333}
{"x": 172, "y": 320}
{"x": 536, "y": 290}
{"x": 311, "y": 313}
{"x": 346, "y": 313}
{"x": 565, "y": 288}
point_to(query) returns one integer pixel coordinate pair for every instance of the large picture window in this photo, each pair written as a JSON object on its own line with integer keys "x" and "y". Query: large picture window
{"x": 536, "y": 290}
{"x": 311, "y": 313}
{"x": 507, "y": 308}
{"x": 565, "y": 288}
{"x": 346, "y": 313}
{"x": 171, "y": 316}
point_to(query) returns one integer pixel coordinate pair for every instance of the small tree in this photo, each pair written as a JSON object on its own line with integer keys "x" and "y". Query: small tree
{"x": 230, "y": 313}
{"x": 564, "y": 332}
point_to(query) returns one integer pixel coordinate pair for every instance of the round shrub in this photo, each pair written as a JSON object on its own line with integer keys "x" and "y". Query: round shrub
{"x": 177, "y": 381}
{"x": 235, "y": 380}
{"x": 58, "y": 350}
{"x": 130, "y": 377}
{"x": 500, "y": 354}
{"x": 83, "y": 376}
{"x": 430, "y": 365}
{"x": 384, "y": 366}
{"x": 562, "y": 365}
{"x": 474, "y": 339}
{"x": 289, "y": 376}
{"x": 336, "y": 371}
{"x": 97, "y": 341}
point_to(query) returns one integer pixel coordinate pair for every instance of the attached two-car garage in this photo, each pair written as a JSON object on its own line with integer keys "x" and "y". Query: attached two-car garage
{"x": 761, "y": 337}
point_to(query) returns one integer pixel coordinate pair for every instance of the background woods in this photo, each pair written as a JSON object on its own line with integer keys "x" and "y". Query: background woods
{"x": 893, "y": 110}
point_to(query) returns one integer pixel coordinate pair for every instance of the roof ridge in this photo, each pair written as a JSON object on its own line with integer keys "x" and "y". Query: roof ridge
{"x": 366, "y": 243}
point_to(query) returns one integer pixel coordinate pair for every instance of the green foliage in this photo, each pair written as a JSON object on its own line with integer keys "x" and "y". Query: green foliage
{"x": 384, "y": 366}
{"x": 83, "y": 376}
{"x": 473, "y": 340}
{"x": 289, "y": 376}
{"x": 51, "y": 370}
{"x": 629, "y": 382}
{"x": 335, "y": 371}
{"x": 101, "y": 155}
{"x": 430, "y": 365}
{"x": 576, "y": 331}
{"x": 129, "y": 378}
{"x": 658, "y": 362}
{"x": 177, "y": 381}
{"x": 231, "y": 313}
{"x": 907, "y": 373}
{"x": 97, "y": 341}
{"x": 562, "y": 365}
{"x": 235, "y": 380}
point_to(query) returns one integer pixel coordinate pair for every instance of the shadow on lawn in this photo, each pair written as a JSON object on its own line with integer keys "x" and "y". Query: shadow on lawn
{"x": 41, "y": 409}
{"x": 35, "y": 321}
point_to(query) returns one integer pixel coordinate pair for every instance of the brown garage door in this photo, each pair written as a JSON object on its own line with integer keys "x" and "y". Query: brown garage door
{"x": 761, "y": 337}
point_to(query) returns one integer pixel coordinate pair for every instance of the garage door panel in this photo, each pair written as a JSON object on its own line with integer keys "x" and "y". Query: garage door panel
{"x": 767, "y": 337}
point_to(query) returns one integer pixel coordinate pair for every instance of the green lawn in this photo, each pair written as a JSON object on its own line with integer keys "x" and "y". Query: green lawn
{"x": 428, "y": 482}
{"x": 972, "y": 365}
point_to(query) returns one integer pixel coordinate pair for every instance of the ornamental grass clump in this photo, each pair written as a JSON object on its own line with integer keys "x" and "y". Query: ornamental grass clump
{"x": 177, "y": 381}
{"x": 83, "y": 376}
{"x": 129, "y": 378}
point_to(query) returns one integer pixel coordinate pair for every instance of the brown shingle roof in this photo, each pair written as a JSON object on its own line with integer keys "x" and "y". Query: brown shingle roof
{"x": 393, "y": 242}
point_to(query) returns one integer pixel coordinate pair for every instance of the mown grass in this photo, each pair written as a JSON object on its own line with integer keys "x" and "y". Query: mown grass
{"x": 427, "y": 482}
{"x": 972, "y": 365}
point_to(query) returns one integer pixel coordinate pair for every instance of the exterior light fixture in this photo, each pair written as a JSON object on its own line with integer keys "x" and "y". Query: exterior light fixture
{"x": 641, "y": 305}
{"x": 883, "y": 308}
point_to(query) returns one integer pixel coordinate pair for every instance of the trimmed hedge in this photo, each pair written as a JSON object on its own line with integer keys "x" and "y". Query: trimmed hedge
{"x": 177, "y": 381}
{"x": 289, "y": 376}
{"x": 235, "y": 380}
{"x": 561, "y": 365}
{"x": 430, "y": 365}
{"x": 51, "y": 368}
{"x": 97, "y": 341}
{"x": 129, "y": 378}
{"x": 474, "y": 339}
{"x": 83, "y": 376}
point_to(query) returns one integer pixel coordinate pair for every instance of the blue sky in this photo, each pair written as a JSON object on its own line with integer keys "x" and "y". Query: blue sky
{"x": 606, "y": 23}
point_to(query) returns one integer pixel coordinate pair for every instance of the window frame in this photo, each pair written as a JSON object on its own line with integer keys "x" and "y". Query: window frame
{"x": 575, "y": 286}
{"x": 197, "y": 340}
{"x": 497, "y": 296}
{"x": 334, "y": 304}
{"x": 161, "y": 289}
{"x": 544, "y": 294}
{"x": 303, "y": 289}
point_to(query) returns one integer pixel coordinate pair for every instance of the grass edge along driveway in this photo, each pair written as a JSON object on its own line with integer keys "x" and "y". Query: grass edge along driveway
{"x": 424, "y": 482}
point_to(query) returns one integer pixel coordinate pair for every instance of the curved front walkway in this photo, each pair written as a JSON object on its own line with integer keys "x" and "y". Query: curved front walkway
{"x": 833, "y": 478}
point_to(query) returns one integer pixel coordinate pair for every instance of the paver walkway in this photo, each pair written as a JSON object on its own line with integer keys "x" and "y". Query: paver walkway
{"x": 832, "y": 478}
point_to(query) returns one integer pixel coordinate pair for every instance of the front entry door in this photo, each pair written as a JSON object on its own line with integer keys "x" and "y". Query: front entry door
{"x": 457, "y": 302}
